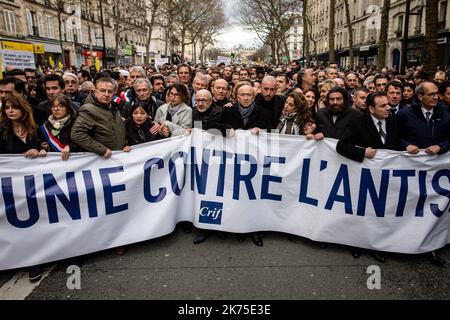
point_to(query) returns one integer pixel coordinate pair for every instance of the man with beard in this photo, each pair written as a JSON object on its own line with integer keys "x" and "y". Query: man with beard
{"x": 268, "y": 100}
{"x": 333, "y": 120}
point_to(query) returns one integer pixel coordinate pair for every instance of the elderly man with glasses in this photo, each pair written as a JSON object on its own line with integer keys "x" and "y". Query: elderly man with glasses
{"x": 72, "y": 88}
{"x": 425, "y": 126}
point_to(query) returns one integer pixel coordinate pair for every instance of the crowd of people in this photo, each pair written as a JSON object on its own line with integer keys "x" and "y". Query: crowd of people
{"x": 113, "y": 109}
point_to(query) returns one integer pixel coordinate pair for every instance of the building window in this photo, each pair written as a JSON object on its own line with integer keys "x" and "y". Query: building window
{"x": 399, "y": 26}
{"x": 442, "y": 15}
{"x": 31, "y": 26}
{"x": 49, "y": 23}
{"x": 40, "y": 25}
{"x": 10, "y": 21}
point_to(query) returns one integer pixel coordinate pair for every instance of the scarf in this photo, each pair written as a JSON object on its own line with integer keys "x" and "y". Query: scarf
{"x": 57, "y": 125}
{"x": 287, "y": 124}
{"x": 246, "y": 112}
{"x": 172, "y": 110}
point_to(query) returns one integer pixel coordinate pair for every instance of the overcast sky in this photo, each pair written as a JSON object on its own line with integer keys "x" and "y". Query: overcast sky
{"x": 235, "y": 34}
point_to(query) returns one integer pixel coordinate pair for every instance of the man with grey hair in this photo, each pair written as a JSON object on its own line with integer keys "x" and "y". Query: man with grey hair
{"x": 135, "y": 73}
{"x": 172, "y": 79}
{"x": 332, "y": 73}
{"x": 440, "y": 77}
{"x": 200, "y": 82}
{"x": 72, "y": 88}
{"x": 143, "y": 94}
{"x": 425, "y": 126}
{"x": 270, "y": 101}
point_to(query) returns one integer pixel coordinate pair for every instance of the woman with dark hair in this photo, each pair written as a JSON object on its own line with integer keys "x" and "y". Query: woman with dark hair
{"x": 176, "y": 114}
{"x": 18, "y": 135}
{"x": 408, "y": 94}
{"x": 58, "y": 127}
{"x": 138, "y": 126}
{"x": 296, "y": 118}
{"x": 311, "y": 98}
{"x": 18, "y": 128}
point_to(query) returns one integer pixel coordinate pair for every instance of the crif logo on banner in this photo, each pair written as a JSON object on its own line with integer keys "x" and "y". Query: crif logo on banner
{"x": 211, "y": 212}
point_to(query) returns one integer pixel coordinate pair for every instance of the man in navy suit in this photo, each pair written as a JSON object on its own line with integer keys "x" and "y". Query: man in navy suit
{"x": 425, "y": 126}
{"x": 373, "y": 130}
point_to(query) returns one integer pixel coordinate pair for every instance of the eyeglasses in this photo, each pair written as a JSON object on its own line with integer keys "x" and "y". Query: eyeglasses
{"x": 58, "y": 106}
{"x": 173, "y": 94}
{"x": 432, "y": 95}
{"x": 202, "y": 100}
{"x": 70, "y": 82}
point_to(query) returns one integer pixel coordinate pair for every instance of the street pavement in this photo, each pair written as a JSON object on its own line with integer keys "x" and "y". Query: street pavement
{"x": 172, "y": 267}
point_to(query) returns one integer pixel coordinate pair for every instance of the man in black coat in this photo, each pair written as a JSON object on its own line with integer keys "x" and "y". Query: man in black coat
{"x": 71, "y": 88}
{"x": 268, "y": 100}
{"x": 245, "y": 114}
{"x": 205, "y": 115}
{"x": 333, "y": 120}
{"x": 394, "y": 92}
{"x": 370, "y": 131}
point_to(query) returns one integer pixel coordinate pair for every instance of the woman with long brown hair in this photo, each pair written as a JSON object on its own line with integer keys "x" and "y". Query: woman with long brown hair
{"x": 296, "y": 118}
{"x": 18, "y": 135}
{"x": 18, "y": 128}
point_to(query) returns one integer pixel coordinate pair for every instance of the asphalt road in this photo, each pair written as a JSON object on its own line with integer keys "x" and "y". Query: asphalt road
{"x": 172, "y": 267}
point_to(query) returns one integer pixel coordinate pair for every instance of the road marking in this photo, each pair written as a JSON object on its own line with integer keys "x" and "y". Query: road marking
{"x": 20, "y": 287}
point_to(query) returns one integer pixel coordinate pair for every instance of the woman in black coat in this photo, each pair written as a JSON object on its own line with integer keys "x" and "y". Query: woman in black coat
{"x": 57, "y": 129}
{"x": 18, "y": 130}
{"x": 18, "y": 135}
{"x": 140, "y": 128}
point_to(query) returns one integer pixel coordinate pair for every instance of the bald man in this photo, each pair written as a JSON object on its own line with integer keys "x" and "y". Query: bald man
{"x": 269, "y": 101}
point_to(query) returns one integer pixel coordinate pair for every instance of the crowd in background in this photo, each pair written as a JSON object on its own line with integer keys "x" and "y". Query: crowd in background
{"x": 85, "y": 110}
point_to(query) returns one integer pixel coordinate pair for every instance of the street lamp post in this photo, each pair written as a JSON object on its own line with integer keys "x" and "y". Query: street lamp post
{"x": 404, "y": 58}
{"x": 103, "y": 34}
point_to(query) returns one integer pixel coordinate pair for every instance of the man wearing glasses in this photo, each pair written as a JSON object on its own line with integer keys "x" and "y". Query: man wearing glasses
{"x": 72, "y": 87}
{"x": 426, "y": 127}
{"x": 98, "y": 127}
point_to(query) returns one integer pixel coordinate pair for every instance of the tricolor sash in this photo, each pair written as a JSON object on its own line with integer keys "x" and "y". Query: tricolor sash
{"x": 54, "y": 143}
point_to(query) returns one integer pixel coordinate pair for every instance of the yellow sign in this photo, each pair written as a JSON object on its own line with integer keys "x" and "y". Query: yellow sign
{"x": 17, "y": 46}
{"x": 51, "y": 62}
{"x": 97, "y": 64}
{"x": 60, "y": 65}
{"x": 39, "y": 48}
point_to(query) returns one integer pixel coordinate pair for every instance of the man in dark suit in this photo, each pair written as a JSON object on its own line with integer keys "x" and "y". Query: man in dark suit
{"x": 394, "y": 92}
{"x": 374, "y": 130}
{"x": 245, "y": 114}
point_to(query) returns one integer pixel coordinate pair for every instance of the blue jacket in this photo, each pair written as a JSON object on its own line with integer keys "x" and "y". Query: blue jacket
{"x": 415, "y": 130}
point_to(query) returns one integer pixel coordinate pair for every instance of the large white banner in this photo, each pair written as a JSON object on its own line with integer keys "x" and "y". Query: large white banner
{"x": 51, "y": 210}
